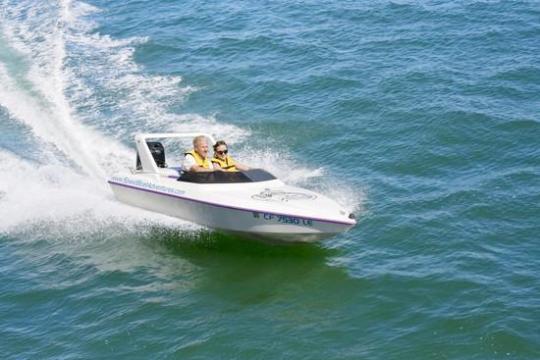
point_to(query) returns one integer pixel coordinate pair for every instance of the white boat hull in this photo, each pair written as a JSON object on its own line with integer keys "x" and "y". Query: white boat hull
{"x": 248, "y": 222}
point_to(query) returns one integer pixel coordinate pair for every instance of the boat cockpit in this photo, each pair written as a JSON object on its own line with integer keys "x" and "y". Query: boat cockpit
{"x": 225, "y": 177}
{"x": 156, "y": 163}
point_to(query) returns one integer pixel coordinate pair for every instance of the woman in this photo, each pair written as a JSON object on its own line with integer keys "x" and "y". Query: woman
{"x": 223, "y": 161}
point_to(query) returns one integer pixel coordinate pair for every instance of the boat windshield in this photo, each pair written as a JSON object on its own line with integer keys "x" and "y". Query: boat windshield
{"x": 226, "y": 177}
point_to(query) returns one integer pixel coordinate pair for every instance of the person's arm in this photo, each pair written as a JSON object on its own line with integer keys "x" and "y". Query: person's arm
{"x": 188, "y": 162}
{"x": 197, "y": 168}
{"x": 241, "y": 167}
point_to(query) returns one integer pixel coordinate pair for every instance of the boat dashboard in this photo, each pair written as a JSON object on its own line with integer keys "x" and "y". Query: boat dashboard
{"x": 227, "y": 177}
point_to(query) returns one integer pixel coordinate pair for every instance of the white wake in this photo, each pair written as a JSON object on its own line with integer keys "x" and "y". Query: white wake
{"x": 78, "y": 97}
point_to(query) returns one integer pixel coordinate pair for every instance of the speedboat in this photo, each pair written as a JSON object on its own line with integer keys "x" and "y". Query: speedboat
{"x": 252, "y": 204}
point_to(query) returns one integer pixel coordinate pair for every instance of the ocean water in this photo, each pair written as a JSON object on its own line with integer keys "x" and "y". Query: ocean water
{"x": 422, "y": 117}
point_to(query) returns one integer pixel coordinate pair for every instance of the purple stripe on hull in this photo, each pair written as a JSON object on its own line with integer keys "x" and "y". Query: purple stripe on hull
{"x": 226, "y": 206}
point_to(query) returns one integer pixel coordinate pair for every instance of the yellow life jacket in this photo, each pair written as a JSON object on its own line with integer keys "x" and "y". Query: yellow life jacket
{"x": 227, "y": 164}
{"x": 205, "y": 163}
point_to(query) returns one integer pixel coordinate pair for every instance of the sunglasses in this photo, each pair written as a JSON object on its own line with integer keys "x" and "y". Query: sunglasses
{"x": 222, "y": 152}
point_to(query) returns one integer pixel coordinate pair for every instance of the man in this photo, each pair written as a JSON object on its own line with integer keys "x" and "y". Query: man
{"x": 197, "y": 159}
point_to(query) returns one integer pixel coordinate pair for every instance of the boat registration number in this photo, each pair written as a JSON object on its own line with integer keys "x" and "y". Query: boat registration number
{"x": 284, "y": 219}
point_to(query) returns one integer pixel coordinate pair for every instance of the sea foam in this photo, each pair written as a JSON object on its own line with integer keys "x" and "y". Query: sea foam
{"x": 82, "y": 97}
